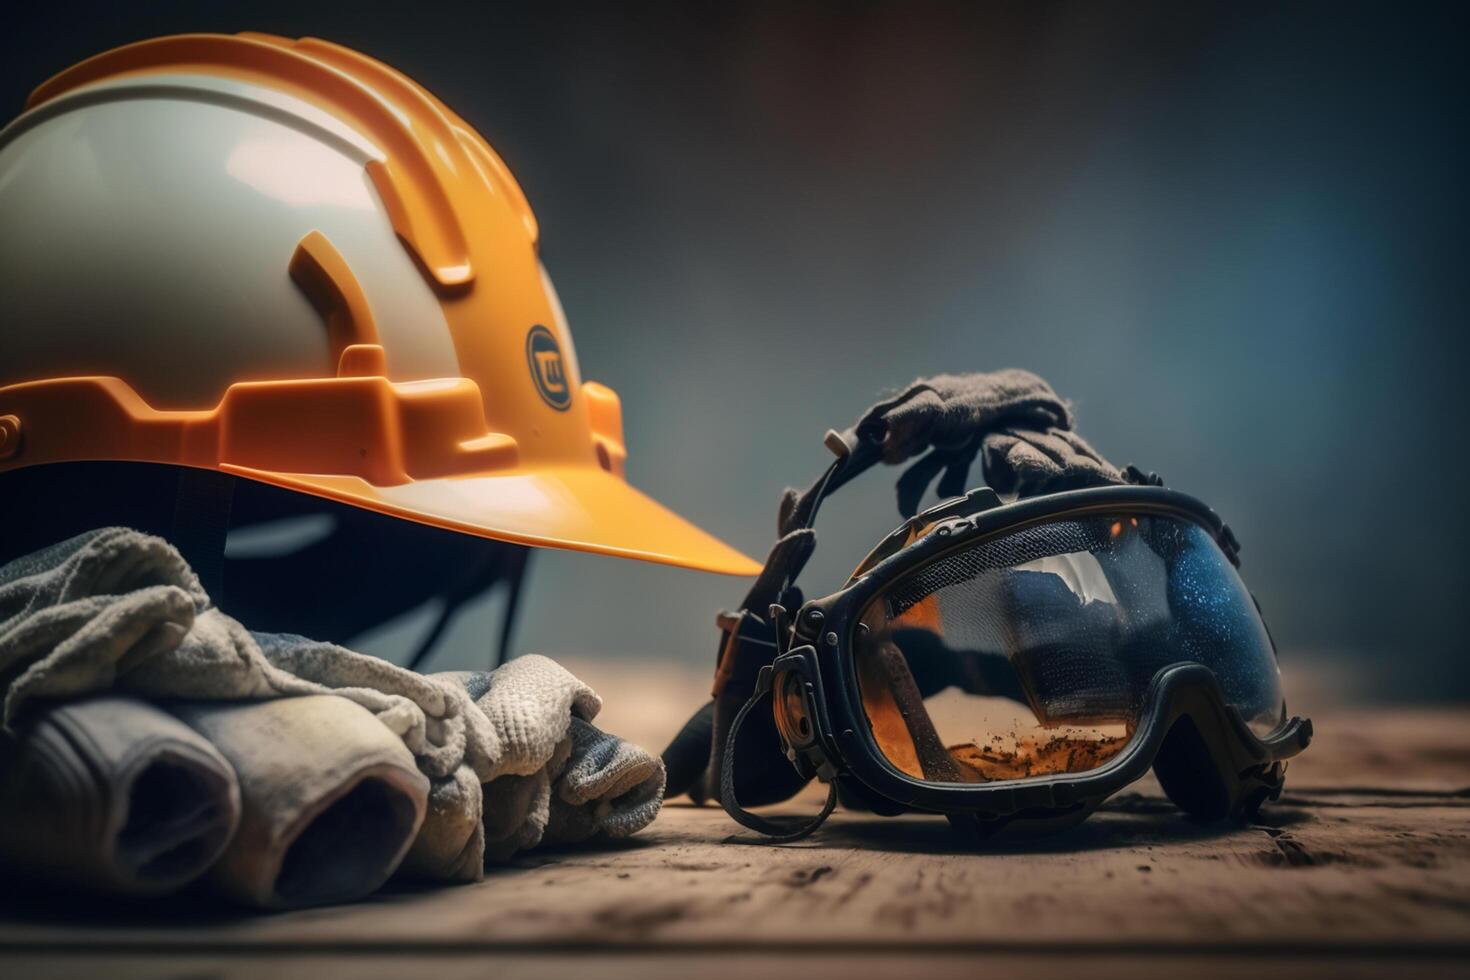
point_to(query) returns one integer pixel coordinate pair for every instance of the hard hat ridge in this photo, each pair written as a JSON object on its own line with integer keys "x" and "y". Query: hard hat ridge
{"x": 303, "y": 269}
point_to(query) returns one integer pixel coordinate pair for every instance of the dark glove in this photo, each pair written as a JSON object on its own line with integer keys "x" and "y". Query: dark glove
{"x": 1021, "y": 424}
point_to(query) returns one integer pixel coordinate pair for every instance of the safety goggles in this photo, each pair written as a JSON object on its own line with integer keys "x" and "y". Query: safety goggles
{"x": 1013, "y": 665}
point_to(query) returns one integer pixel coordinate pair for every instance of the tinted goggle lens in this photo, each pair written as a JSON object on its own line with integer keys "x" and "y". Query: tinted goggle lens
{"x": 1030, "y": 653}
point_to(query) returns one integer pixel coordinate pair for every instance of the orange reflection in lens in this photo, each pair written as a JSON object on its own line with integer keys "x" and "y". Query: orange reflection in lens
{"x": 1037, "y": 755}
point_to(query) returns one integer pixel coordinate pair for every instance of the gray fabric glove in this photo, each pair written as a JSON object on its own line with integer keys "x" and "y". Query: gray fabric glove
{"x": 113, "y": 794}
{"x": 1029, "y": 464}
{"x": 1022, "y": 425}
{"x": 948, "y": 409}
{"x": 560, "y": 779}
{"x": 608, "y": 788}
{"x": 331, "y": 799}
{"x": 115, "y": 609}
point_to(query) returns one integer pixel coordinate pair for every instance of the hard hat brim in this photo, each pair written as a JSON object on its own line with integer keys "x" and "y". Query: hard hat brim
{"x": 572, "y": 508}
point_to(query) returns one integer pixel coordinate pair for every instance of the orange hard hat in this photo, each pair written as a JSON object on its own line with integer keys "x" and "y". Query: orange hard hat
{"x": 286, "y": 261}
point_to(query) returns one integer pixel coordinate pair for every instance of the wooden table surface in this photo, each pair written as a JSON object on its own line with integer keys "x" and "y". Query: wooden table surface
{"x": 1362, "y": 869}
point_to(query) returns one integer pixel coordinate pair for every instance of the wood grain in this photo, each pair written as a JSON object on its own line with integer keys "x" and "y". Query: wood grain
{"x": 1362, "y": 867}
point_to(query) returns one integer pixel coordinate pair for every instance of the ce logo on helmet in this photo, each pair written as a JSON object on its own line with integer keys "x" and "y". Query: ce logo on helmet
{"x": 548, "y": 370}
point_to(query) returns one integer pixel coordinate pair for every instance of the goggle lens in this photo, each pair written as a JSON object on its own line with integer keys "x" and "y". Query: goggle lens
{"x": 1030, "y": 653}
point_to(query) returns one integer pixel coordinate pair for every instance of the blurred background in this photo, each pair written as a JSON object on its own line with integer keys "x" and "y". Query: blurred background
{"x": 1232, "y": 234}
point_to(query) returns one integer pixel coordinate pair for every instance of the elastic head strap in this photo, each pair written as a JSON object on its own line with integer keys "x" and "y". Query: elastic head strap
{"x": 776, "y": 584}
{"x": 855, "y": 456}
{"x": 776, "y": 831}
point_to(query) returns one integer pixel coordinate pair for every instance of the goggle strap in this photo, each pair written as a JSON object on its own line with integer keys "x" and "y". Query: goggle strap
{"x": 855, "y": 456}
{"x": 776, "y": 831}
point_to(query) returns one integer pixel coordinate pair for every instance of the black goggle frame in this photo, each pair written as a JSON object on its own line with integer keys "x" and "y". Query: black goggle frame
{"x": 1185, "y": 730}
